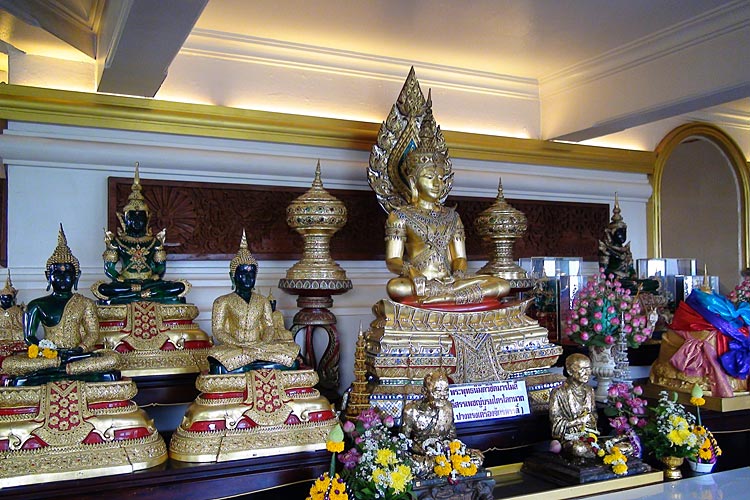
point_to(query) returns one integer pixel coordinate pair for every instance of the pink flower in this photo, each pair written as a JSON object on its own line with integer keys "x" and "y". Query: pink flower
{"x": 598, "y": 315}
{"x": 609, "y": 339}
{"x": 584, "y": 336}
{"x": 348, "y": 427}
{"x": 555, "y": 446}
{"x": 618, "y": 405}
{"x": 599, "y": 302}
{"x": 598, "y": 327}
{"x": 637, "y": 390}
{"x": 582, "y": 311}
{"x": 584, "y": 321}
{"x": 611, "y": 310}
{"x": 614, "y": 321}
{"x": 388, "y": 421}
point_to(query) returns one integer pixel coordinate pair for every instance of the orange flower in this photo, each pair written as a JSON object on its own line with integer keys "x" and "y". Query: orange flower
{"x": 33, "y": 351}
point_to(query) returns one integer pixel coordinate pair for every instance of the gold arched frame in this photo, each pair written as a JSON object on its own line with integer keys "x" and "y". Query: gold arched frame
{"x": 734, "y": 156}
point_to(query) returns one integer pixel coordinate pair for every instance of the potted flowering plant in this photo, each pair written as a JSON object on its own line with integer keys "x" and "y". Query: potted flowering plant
{"x": 669, "y": 434}
{"x": 627, "y": 413}
{"x": 709, "y": 450}
{"x": 452, "y": 460}
{"x": 379, "y": 464}
{"x": 330, "y": 486}
{"x": 602, "y": 312}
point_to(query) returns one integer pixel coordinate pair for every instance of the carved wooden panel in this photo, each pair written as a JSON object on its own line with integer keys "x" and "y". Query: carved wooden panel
{"x": 205, "y": 221}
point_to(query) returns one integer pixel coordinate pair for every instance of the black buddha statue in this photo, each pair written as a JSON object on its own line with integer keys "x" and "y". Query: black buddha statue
{"x": 143, "y": 258}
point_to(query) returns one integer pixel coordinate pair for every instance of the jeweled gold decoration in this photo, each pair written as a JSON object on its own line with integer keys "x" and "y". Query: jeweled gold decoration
{"x": 359, "y": 397}
{"x": 500, "y": 226}
{"x": 243, "y": 257}
{"x": 316, "y": 215}
{"x": 62, "y": 253}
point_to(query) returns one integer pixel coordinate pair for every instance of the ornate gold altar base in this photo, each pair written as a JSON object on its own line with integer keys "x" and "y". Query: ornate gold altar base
{"x": 405, "y": 343}
{"x": 74, "y": 430}
{"x": 154, "y": 338}
{"x": 740, "y": 401}
{"x": 255, "y": 414}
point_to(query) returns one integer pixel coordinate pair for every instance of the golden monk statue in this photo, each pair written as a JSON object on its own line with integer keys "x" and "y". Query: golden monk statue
{"x": 424, "y": 239}
{"x": 428, "y": 422}
{"x": 572, "y": 408}
{"x": 243, "y": 322}
{"x": 71, "y": 330}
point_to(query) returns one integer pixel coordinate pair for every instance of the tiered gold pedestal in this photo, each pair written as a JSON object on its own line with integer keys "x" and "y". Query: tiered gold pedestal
{"x": 405, "y": 343}
{"x": 74, "y": 430}
{"x": 155, "y": 338}
{"x": 255, "y": 414}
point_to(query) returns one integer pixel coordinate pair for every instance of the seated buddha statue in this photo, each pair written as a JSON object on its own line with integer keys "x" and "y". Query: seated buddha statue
{"x": 11, "y": 321}
{"x": 429, "y": 423}
{"x": 144, "y": 260}
{"x": 67, "y": 413}
{"x": 425, "y": 240}
{"x": 243, "y": 322}
{"x": 71, "y": 326}
{"x": 254, "y": 401}
{"x": 616, "y": 258}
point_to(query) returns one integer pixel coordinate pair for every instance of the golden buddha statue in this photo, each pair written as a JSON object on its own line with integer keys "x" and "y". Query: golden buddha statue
{"x": 254, "y": 401}
{"x": 437, "y": 316}
{"x": 424, "y": 239}
{"x": 66, "y": 413}
{"x": 243, "y": 323}
{"x": 142, "y": 315}
{"x": 429, "y": 423}
{"x": 70, "y": 326}
{"x": 11, "y": 322}
{"x": 572, "y": 408}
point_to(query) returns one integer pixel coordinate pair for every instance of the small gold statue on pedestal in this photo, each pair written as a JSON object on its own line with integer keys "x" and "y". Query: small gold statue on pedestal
{"x": 441, "y": 461}
{"x": 11, "y": 323}
{"x": 66, "y": 413}
{"x": 255, "y": 401}
{"x": 143, "y": 316}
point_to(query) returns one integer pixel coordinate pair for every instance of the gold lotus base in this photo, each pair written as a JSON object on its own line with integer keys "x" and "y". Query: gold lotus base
{"x": 80, "y": 461}
{"x": 254, "y": 414}
{"x": 406, "y": 343}
{"x": 154, "y": 338}
{"x": 224, "y": 446}
{"x": 148, "y": 363}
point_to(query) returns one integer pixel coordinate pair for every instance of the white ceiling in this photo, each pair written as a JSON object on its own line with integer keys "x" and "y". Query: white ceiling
{"x": 596, "y": 70}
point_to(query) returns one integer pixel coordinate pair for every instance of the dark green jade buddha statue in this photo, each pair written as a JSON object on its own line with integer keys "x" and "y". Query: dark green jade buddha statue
{"x": 143, "y": 258}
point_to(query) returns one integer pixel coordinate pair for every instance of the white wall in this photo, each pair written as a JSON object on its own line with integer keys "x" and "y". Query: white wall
{"x": 59, "y": 174}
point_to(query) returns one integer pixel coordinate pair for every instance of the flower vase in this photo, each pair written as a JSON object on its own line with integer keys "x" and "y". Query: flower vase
{"x": 603, "y": 368}
{"x": 700, "y": 467}
{"x": 672, "y": 472}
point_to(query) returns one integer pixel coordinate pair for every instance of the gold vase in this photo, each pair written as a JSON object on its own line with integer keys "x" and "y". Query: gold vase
{"x": 672, "y": 471}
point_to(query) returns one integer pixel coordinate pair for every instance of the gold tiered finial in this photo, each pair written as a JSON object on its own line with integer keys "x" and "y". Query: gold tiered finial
{"x": 136, "y": 201}
{"x": 243, "y": 257}
{"x": 8, "y": 290}
{"x": 616, "y": 217}
{"x": 62, "y": 253}
{"x": 706, "y": 285}
{"x": 500, "y": 225}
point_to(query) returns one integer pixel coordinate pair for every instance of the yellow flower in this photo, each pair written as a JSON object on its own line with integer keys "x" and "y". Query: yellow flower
{"x": 338, "y": 489}
{"x": 49, "y": 353}
{"x": 33, "y": 351}
{"x": 442, "y": 470}
{"x": 620, "y": 469}
{"x": 467, "y": 469}
{"x": 600, "y": 453}
{"x": 319, "y": 487}
{"x": 378, "y": 475}
{"x": 454, "y": 446}
{"x": 697, "y": 401}
{"x": 400, "y": 478}
{"x": 335, "y": 447}
{"x": 385, "y": 457}
{"x": 699, "y": 430}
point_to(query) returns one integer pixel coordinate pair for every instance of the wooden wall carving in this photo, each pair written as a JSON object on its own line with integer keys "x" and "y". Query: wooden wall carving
{"x": 205, "y": 220}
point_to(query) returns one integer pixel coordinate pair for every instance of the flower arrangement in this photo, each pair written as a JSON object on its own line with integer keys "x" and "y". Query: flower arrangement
{"x": 45, "y": 348}
{"x": 617, "y": 460}
{"x": 452, "y": 460}
{"x": 626, "y": 411}
{"x": 741, "y": 292}
{"x": 603, "y": 310}
{"x": 379, "y": 464}
{"x": 330, "y": 486}
{"x": 709, "y": 450}
{"x": 669, "y": 433}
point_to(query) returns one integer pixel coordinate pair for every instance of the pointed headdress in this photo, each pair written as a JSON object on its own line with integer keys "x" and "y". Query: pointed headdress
{"x": 136, "y": 201}
{"x": 8, "y": 290}
{"x": 243, "y": 257}
{"x": 62, "y": 253}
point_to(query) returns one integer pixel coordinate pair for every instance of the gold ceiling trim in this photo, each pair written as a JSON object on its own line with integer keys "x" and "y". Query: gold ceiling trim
{"x": 62, "y": 107}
